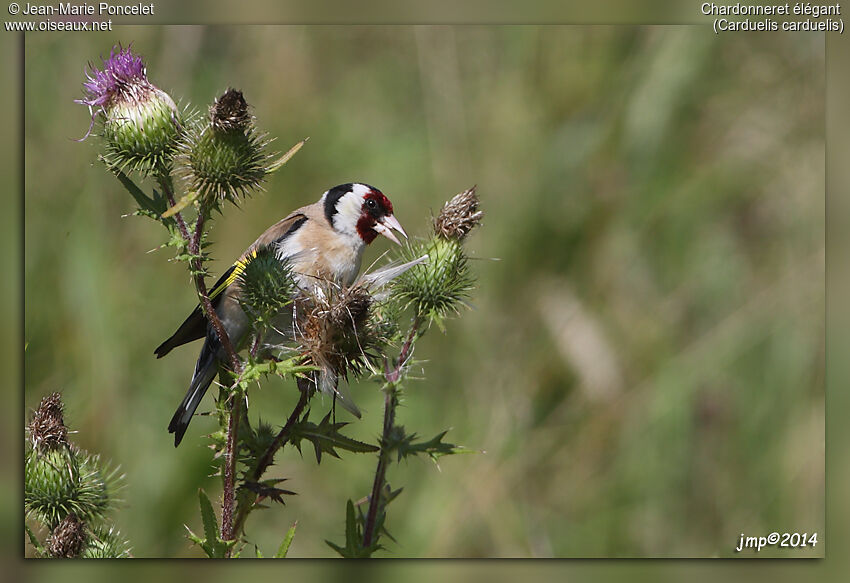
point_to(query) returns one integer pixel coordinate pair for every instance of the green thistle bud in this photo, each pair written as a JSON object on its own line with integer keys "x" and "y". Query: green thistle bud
{"x": 93, "y": 490}
{"x": 267, "y": 286}
{"x": 50, "y": 484}
{"x": 227, "y": 157}
{"x": 105, "y": 543}
{"x": 61, "y": 481}
{"x": 438, "y": 287}
{"x": 140, "y": 121}
{"x": 386, "y": 316}
{"x": 65, "y": 488}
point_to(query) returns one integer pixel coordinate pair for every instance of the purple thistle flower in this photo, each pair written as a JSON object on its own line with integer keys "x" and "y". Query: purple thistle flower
{"x": 123, "y": 78}
{"x": 122, "y": 73}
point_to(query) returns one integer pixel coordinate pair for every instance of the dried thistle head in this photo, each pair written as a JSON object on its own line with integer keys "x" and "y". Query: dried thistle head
{"x": 335, "y": 329}
{"x": 459, "y": 216}
{"x": 67, "y": 539}
{"x": 47, "y": 427}
{"x": 351, "y": 310}
{"x": 230, "y": 112}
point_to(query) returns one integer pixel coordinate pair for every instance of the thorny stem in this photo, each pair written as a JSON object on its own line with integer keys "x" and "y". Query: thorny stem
{"x": 229, "y": 495}
{"x": 279, "y": 440}
{"x": 194, "y": 244}
{"x": 390, "y": 404}
{"x": 201, "y": 284}
{"x": 193, "y": 241}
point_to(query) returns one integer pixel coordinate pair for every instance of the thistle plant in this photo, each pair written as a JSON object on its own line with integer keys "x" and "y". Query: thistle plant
{"x": 67, "y": 491}
{"x": 320, "y": 336}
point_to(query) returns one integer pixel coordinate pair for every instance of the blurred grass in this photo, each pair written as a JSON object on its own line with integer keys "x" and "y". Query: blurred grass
{"x": 644, "y": 363}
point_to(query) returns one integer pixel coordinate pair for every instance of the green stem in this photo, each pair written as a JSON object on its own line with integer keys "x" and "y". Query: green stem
{"x": 390, "y": 403}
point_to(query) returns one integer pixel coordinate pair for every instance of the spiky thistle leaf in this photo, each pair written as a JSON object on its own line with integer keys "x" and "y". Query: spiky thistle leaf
{"x": 326, "y": 437}
{"x": 353, "y": 548}
{"x": 283, "y": 549}
{"x": 268, "y": 489}
{"x": 435, "y": 448}
{"x": 211, "y": 544}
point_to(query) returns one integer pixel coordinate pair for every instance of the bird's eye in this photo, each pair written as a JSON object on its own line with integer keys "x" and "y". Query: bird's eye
{"x": 371, "y": 204}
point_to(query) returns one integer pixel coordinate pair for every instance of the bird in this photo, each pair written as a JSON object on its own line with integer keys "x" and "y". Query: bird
{"x": 323, "y": 241}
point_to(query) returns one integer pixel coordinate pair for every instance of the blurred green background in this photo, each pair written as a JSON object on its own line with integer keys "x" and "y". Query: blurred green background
{"x": 643, "y": 366}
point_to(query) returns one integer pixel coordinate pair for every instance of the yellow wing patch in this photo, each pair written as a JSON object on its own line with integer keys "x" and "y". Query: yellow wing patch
{"x": 232, "y": 274}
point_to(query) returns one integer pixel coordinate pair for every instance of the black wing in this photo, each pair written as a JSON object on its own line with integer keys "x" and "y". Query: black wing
{"x": 195, "y": 326}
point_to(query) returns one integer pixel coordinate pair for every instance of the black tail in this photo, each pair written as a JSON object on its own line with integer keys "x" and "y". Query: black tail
{"x": 193, "y": 328}
{"x": 205, "y": 370}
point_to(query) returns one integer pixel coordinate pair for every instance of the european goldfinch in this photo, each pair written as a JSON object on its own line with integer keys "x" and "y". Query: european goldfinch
{"x": 323, "y": 241}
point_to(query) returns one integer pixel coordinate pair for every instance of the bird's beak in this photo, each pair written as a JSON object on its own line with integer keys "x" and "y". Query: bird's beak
{"x": 384, "y": 225}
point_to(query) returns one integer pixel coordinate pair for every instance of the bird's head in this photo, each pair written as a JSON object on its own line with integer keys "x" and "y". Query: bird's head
{"x": 360, "y": 210}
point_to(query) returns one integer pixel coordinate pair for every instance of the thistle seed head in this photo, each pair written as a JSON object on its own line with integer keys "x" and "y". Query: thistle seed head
{"x": 459, "y": 216}
{"x": 335, "y": 330}
{"x": 230, "y": 112}
{"x": 67, "y": 539}
{"x": 47, "y": 428}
